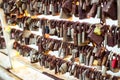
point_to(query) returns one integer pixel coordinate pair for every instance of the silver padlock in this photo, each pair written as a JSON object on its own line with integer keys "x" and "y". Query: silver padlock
{"x": 91, "y": 60}
{"x": 61, "y": 31}
{"x": 45, "y": 10}
{"x": 79, "y": 38}
{"x": 53, "y": 10}
{"x": 64, "y": 34}
{"x": 83, "y": 36}
{"x": 81, "y": 58}
{"x": 41, "y": 8}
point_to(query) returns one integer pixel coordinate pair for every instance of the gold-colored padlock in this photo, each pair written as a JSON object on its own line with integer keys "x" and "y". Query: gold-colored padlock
{"x": 97, "y": 30}
{"x": 26, "y": 13}
{"x": 77, "y": 3}
{"x": 17, "y": 53}
{"x": 95, "y": 63}
{"x": 8, "y": 29}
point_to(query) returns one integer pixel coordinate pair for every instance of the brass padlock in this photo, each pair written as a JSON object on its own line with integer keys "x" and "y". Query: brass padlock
{"x": 97, "y": 29}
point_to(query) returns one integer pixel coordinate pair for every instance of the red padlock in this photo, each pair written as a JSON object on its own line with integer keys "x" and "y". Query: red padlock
{"x": 114, "y": 62}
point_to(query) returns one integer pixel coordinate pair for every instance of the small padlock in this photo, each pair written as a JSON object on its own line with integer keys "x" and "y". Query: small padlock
{"x": 41, "y": 8}
{"x": 20, "y": 10}
{"x": 114, "y": 62}
{"x": 79, "y": 38}
{"x": 52, "y": 10}
{"x": 91, "y": 60}
{"x": 45, "y": 10}
{"x": 24, "y": 6}
{"x": 104, "y": 69}
{"x": 97, "y": 29}
{"x": 81, "y": 58}
{"x": 83, "y": 37}
{"x": 64, "y": 33}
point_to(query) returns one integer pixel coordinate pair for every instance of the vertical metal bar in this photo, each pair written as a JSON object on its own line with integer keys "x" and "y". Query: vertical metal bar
{"x": 5, "y": 34}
